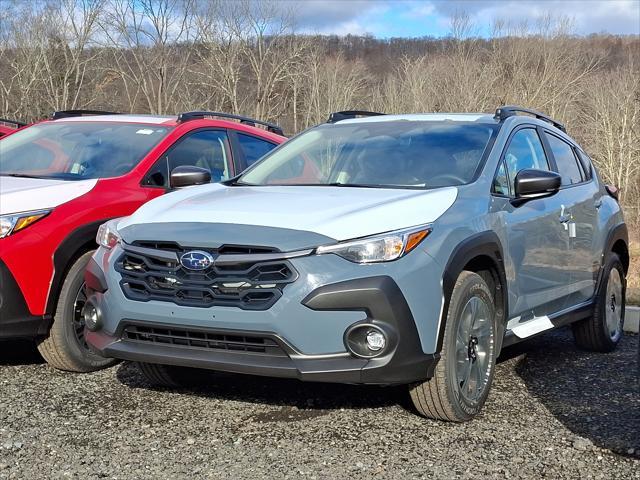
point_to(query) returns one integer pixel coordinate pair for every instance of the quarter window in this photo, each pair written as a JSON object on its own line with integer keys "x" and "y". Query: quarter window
{"x": 253, "y": 148}
{"x": 525, "y": 151}
{"x": 565, "y": 160}
{"x": 586, "y": 164}
{"x": 501, "y": 182}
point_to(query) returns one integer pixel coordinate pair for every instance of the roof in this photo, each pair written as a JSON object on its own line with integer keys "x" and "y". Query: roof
{"x": 171, "y": 121}
{"x": 425, "y": 117}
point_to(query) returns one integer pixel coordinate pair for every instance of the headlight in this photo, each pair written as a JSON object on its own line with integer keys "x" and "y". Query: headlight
{"x": 379, "y": 248}
{"x": 10, "y": 224}
{"x": 108, "y": 236}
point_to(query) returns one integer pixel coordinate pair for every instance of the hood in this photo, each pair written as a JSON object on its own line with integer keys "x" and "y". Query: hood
{"x": 340, "y": 213}
{"x": 19, "y": 194}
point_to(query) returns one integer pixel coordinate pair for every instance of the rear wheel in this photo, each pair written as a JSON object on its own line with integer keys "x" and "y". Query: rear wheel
{"x": 65, "y": 348}
{"x": 463, "y": 376}
{"x": 603, "y": 331}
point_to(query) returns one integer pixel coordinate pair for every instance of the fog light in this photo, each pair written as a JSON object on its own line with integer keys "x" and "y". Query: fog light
{"x": 91, "y": 316}
{"x": 375, "y": 340}
{"x": 367, "y": 340}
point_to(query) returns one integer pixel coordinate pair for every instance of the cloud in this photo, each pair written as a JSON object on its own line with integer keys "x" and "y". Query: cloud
{"x": 334, "y": 16}
{"x": 431, "y": 17}
{"x": 589, "y": 16}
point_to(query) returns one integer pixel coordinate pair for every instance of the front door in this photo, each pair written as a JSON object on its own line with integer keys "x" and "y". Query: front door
{"x": 537, "y": 242}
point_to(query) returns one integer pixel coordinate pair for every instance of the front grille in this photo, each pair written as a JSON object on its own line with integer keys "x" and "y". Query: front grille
{"x": 207, "y": 340}
{"x": 249, "y": 285}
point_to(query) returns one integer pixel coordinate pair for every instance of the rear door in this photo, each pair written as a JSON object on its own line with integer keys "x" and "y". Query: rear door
{"x": 536, "y": 240}
{"x": 579, "y": 195}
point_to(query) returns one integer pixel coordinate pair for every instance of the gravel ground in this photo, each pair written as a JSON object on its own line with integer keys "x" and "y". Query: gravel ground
{"x": 554, "y": 411}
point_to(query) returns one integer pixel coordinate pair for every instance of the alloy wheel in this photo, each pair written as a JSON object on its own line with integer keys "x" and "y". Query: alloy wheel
{"x": 474, "y": 348}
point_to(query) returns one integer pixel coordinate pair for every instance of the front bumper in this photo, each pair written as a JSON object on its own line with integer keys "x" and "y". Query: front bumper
{"x": 265, "y": 352}
{"x": 15, "y": 319}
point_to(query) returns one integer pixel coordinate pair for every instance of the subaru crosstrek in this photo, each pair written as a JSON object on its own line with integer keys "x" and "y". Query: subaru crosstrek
{"x": 373, "y": 249}
{"x": 62, "y": 178}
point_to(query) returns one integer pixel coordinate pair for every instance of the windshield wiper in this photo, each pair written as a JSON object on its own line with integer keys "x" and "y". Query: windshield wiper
{"x": 19, "y": 175}
{"x": 357, "y": 185}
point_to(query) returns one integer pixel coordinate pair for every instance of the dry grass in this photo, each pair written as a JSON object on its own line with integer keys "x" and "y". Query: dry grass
{"x": 633, "y": 278}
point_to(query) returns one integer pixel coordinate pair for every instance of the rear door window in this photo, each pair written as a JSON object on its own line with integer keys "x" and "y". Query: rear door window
{"x": 566, "y": 161}
{"x": 253, "y": 148}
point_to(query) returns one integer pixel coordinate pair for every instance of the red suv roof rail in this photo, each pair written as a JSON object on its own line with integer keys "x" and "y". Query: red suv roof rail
{"x": 271, "y": 127}
{"x": 12, "y": 123}
{"x": 79, "y": 113}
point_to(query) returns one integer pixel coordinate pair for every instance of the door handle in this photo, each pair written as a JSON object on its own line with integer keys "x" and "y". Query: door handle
{"x": 564, "y": 218}
{"x": 598, "y": 203}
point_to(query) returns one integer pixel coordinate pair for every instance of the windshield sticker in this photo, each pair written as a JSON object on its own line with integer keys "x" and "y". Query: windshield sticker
{"x": 145, "y": 131}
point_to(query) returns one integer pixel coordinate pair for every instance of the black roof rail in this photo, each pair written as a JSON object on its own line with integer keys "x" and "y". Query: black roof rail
{"x": 271, "y": 127}
{"x": 12, "y": 123}
{"x": 347, "y": 114}
{"x": 507, "y": 111}
{"x": 79, "y": 113}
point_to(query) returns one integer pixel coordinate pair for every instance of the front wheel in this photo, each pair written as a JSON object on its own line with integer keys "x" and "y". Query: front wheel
{"x": 463, "y": 376}
{"x": 65, "y": 348}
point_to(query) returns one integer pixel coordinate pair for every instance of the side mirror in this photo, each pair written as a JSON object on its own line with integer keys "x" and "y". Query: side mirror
{"x": 531, "y": 183}
{"x": 188, "y": 175}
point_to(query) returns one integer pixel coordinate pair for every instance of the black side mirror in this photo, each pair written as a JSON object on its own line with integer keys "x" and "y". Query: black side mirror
{"x": 188, "y": 175}
{"x": 531, "y": 183}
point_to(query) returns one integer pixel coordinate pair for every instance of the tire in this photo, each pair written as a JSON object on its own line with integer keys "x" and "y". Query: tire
{"x": 169, "y": 376}
{"x": 464, "y": 373}
{"x": 602, "y": 332}
{"x": 64, "y": 348}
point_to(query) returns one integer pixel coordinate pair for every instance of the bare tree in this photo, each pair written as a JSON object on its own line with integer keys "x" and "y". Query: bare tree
{"x": 149, "y": 44}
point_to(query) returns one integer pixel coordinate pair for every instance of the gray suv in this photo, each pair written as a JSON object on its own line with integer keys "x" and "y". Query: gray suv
{"x": 372, "y": 249}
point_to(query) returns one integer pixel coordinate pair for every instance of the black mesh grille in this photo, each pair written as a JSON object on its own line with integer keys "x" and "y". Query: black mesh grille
{"x": 207, "y": 340}
{"x": 247, "y": 285}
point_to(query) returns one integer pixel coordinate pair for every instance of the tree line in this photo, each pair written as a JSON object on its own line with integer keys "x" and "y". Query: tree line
{"x": 248, "y": 57}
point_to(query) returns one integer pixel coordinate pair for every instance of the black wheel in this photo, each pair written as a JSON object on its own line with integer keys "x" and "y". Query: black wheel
{"x": 463, "y": 376}
{"x": 170, "y": 376}
{"x": 603, "y": 331}
{"x": 65, "y": 348}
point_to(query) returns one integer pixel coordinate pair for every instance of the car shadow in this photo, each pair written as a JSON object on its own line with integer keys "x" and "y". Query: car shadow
{"x": 19, "y": 352}
{"x": 594, "y": 395}
{"x": 298, "y": 399}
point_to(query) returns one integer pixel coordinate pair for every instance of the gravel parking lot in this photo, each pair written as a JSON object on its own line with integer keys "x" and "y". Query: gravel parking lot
{"x": 554, "y": 411}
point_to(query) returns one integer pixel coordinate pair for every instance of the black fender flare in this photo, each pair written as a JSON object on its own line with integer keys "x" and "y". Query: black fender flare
{"x": 67, "y": 251}
{"x": 617, "y": 232}
{"x": 484, "y": 244}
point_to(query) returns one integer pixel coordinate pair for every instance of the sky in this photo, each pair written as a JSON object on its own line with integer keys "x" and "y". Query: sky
{"x": 418, "y": 18}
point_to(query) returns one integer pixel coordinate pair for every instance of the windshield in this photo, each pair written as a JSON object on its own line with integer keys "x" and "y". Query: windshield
{"x": 398, "y": 154}
{"x": 77, "y": 150}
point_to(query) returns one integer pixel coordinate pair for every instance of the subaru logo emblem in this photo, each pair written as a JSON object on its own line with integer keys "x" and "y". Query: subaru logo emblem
{"x": 196, "y": 260}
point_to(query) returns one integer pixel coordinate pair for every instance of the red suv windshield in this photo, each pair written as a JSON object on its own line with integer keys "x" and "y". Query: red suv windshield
{"x": 77, "y": 151}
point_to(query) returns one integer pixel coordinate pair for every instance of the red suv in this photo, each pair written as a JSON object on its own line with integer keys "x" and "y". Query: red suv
{"x": 62, "y": 178}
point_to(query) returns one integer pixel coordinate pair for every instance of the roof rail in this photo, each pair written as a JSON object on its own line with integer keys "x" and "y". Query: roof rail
{"x": 347, "y": 114}
{"x": 270, "y": 127}
{"x": 12, "y": 123}
{"x": 507, "y": 111}
{"x": 78, "y": 113}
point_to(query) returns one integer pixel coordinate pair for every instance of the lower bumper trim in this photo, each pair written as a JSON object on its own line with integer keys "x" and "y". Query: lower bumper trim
{"x": 333, "y": 368}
